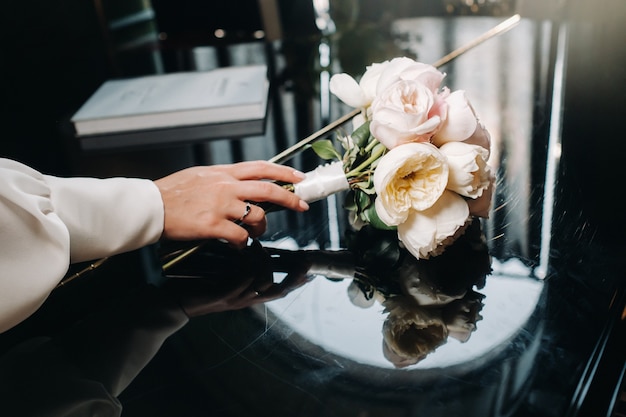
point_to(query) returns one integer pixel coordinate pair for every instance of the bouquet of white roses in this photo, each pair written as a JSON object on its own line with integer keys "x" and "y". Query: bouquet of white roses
{"x": 416, "y": 161}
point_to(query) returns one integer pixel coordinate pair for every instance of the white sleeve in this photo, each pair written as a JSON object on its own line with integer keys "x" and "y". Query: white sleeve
{"x": 48, "y": 222}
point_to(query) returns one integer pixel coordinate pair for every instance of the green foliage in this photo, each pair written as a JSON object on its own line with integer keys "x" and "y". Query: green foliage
{"x": 325, "y": 149}
{"x": 361, "y": 135}
{"x": 372, "y": 218}
{"x": 378, "y": 254}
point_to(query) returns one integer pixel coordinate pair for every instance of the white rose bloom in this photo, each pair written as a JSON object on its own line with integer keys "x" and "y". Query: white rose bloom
{"x": 424, "y": 231}
{"x": 410, "y": 177}
{"x": 469, "y": 173}
{"x": 369, "y": 80}
{"x": 348, "y": 90}
{"x": 460, "y": 122}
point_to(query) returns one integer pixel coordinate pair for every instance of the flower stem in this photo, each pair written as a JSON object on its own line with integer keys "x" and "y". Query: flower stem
{"x": 371, "y": 145}
{"x": 373, "y": 157}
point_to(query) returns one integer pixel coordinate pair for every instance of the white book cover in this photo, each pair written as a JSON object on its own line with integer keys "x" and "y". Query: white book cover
{"x": 221, "y": 95}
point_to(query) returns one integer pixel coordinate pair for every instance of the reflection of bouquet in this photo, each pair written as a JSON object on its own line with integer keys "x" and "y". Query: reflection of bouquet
{"x": 426, "y": 300}
{"x": 416, "y": 161}
{"x": 411, "y": 332}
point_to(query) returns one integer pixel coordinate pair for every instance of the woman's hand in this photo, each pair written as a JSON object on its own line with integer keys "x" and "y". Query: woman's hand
{"x": 205, "y": 202}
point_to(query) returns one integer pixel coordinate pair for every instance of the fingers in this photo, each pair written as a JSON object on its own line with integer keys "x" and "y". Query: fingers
{"x": 256, "y": 230}
{"x": 252, "y": 223}
{"x": 234, "y": 234}
{"x": 263, "y": 191}
{"x": 258, "y": 170}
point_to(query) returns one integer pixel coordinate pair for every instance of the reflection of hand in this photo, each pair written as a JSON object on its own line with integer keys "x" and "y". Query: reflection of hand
{"x": 247, "y": 281}
{"x": 203, "y": 202}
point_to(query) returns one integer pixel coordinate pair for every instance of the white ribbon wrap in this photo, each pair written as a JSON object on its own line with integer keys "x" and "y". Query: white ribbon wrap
{"x": 323, "y": 181}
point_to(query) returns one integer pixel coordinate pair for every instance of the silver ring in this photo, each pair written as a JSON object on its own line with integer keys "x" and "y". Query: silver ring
{"x": 246, "y": 212}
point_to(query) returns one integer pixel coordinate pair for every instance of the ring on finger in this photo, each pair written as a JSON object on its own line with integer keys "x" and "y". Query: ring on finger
{"x": 246, "y": 212}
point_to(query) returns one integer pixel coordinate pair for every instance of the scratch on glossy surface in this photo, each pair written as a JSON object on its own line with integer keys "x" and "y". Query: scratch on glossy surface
{"x": 238, "y": 353}
{"x": 501, "y": 206}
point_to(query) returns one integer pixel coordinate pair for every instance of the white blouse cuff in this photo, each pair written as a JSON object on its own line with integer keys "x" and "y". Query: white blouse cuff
{"x": 107, "y": 216}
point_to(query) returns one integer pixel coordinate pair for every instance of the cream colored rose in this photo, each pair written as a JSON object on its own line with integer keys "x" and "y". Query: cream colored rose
{"x": 469, "y": 173}
{"x": 407, "y": 111}
{"x": 409, "y": 178}
{"x": 423, "y": 231}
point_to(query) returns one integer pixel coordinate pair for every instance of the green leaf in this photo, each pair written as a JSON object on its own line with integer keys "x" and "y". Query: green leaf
{"x": 365, "y": 186}
{"x": 325, "y": 149}
{"x": 363, "y": 200}
{"x": 361, "y": 135}
{"x": 374, "y": 220}
{"x": 350, "y": 201}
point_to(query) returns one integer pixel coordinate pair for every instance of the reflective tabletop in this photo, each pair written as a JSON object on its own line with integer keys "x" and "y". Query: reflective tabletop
{"x": 521, "y": 316}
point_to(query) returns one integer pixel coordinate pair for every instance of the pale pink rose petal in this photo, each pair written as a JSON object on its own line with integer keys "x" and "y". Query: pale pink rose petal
{"x": 440, "y": 106}
{"x": 480, "y": 137}
{"x": 391, "y": 137}
{"x": 424, "y": 73}
{"x": 390, "y": 73}
{"x": 460, "y": 122}
{"x": 388, "y": 135}
{"x": 404, "y": 68}
{"x": 423, "y": 231}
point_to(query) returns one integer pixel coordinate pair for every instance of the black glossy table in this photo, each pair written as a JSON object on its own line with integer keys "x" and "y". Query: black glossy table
{"x": 283, "y": 329}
